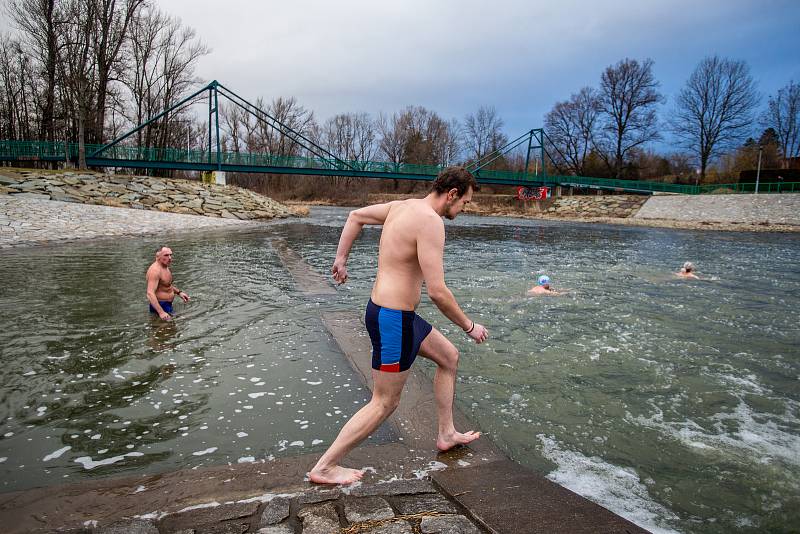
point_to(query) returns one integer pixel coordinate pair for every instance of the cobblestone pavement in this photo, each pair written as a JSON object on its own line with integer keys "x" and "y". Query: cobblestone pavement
{"x": 396, "y": 507}
{"x": 30, "y": 221}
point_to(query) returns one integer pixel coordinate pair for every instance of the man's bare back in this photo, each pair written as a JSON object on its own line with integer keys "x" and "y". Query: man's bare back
{"x": 398, "y": 284}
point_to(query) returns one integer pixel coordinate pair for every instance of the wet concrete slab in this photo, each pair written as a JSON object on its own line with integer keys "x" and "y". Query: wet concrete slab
{"x": 307, "y": 279}
{"x": 505, "y": 497}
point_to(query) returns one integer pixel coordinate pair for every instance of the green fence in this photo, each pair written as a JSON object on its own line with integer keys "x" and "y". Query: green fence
{"x": 164, "y": 157}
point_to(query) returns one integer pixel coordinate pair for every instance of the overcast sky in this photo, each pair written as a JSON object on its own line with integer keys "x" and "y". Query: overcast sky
{"x": 453, "y": 56}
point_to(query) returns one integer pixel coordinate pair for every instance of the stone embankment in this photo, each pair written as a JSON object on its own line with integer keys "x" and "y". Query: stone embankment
{"x": 186, "y": 197}
{"x": 617, "y": 206}
{"x": 29, "y": 221}
{"x": 769, "y": 209}
{"x": 734, "y": 212}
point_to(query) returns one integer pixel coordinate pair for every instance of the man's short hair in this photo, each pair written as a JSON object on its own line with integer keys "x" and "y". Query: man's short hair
{"x": 159, "y": 249}
{"x": 454, "y": 178}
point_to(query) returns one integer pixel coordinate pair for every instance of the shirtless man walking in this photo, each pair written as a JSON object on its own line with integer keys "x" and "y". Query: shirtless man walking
{"x": 160, "y": 290}
{"x": 411, "y": 251}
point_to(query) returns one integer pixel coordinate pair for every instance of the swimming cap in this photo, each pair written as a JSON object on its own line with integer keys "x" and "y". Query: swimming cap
{"x": 544, "y": 280}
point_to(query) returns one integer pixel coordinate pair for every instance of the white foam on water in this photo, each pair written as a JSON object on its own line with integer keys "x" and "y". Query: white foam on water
{"x": 206, "y": 451}
{"x": 246, "y": 460}
{"x": 314, "y": 383}
{"x": 139, "y": 489}
{"x": 3, "y": 459}
{"x": 742, "y": 383}
{"x": 617, "y": 488}
{"x": 757, "y": 437}
{"x": 296, "y": 444}
{"x": 317, "y": 442}
{"x": 29, "y": 373}
{"x": 88, "y": 463}
{"x": 242, "y": 434}
{"x": 8, "y": 434}
{"x": 56, "y": 454}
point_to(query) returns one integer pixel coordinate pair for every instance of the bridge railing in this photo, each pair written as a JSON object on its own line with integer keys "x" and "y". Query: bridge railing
{"x": 58, "y": 150}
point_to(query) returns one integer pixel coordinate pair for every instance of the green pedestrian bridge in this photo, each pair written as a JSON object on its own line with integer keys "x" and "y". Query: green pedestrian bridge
{"x": 120, "y": 153}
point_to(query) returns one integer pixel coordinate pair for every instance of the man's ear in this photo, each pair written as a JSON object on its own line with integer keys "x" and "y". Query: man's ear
{"x": 452, "y": 194}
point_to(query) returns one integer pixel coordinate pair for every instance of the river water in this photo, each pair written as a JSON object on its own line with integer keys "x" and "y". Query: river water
{"x": 673, "y": 403}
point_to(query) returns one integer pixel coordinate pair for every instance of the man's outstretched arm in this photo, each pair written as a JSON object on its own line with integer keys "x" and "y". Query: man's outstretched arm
{"x": 375, "y": 214}
{"x": 430, "y": 252}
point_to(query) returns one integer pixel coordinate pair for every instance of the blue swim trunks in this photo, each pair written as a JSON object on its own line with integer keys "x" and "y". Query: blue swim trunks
{"x": 396, "y": 336}
{"x": 166, "y": 305}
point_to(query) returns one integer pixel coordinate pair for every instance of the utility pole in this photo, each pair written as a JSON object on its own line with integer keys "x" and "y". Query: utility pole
{"x": 758, "y": 172}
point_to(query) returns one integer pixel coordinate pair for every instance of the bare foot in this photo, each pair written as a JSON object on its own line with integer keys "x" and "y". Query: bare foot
{"x": 445, "y": 443}
{"x": 335, "y": 475}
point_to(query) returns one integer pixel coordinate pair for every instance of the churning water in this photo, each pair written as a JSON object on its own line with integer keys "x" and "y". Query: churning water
{"x": 674, "y": 403}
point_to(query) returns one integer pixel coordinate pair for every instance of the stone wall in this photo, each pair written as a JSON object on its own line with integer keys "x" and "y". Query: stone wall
{"x": 590, "y": 206}
{"x": 767, "y": 209}
{"x": 160, "y": 194}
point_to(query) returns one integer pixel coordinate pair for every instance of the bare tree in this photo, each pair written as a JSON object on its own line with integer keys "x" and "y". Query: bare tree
{"x": 164, "y": 54}
{"x": 38, "y": 22}
{"x": 178, "y": 52}
{"x": 351, "y": 136}
{"x": 392, "y": 138}
{"x": 111, "y": 32}
{"x": 681, "y": 165}
{"x": 278, "y": 140}
{"x": 572, "y": 127}
{"x": 12, "y": 121}
{"x": 627, "y": 100}
{"x": 714, "y": 110}
{"x": 77, "y": 63}
{"x": 483, "y": 132}
{"x": 425, "y": 135}
{"x": 233, "y": 118}
{"x": 783, "y": 115}
{"x": 450, "y": 147}
{"x": 143, "y": 80}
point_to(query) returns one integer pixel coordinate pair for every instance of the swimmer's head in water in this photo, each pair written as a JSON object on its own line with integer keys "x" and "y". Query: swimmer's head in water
{"x": 688, "y": 266}
{"x": 543, "y": 280}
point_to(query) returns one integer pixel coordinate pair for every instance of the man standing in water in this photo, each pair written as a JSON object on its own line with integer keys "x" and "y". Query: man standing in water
{"x": 160, "y": 290}
{"x": 411, "y": 251}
